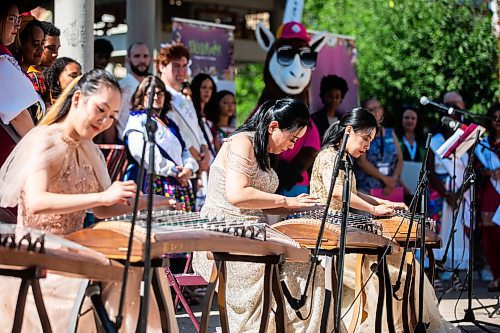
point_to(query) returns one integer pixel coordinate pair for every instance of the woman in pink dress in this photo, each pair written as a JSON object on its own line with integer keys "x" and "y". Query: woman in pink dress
{"x": 54, "y": 174}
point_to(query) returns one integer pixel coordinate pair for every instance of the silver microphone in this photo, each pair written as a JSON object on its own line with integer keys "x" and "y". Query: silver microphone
{"x": 425, "y": 101}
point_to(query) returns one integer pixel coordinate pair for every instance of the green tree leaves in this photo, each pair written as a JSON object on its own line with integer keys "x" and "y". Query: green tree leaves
{"x": 416, "y": 48}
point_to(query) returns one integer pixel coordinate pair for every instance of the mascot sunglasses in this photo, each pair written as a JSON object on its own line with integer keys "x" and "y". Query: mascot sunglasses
{"x": 286, "y": 55}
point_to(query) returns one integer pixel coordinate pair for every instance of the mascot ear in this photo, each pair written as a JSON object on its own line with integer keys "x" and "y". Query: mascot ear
{"x": 318, "y": 41}
{"x": 264, "y": 36}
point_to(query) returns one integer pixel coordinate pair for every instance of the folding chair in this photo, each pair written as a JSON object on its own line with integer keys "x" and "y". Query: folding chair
{"x": 116, "y": 160}
{"x": 185, "y": 279}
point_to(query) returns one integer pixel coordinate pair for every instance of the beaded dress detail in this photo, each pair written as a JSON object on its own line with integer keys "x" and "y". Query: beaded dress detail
{"x": 76, "y": 176}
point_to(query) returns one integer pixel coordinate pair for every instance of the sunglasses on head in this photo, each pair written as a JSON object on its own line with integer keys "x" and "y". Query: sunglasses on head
{"x": 286, "y": 54}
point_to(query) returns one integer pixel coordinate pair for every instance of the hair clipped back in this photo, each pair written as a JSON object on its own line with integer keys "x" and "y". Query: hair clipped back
{"x": 89, "y": 84}
{"x": 359, "y": 118}
{"x": 290, "y": 113}
{"x": 51, "y": 75}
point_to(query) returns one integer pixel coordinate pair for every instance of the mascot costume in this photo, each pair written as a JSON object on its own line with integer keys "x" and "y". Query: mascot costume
{"x": 291, "y": 58}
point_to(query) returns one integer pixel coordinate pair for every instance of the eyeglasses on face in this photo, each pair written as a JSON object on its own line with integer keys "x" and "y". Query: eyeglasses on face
{"x": 286, "y": 54}
{"x": 158, "y": 93}
{"x": 14, "y": 19}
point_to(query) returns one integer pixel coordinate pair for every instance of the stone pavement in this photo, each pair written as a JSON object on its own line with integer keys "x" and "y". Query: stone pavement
{"x": 451, "y": 307}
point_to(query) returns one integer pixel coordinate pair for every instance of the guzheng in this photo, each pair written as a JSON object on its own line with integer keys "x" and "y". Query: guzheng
{"x": 177, "y": 232}
{"x": 396, "y": 227}
{"x": 25, "y": 247}
{"x": 303, "y": 227}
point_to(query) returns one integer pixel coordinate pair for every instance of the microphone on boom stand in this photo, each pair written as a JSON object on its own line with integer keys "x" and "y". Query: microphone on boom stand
{"x": 295, "y": 303}
{"x": 144, "y": 307}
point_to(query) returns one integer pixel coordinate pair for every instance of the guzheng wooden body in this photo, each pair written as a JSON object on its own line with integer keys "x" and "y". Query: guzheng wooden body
{"x": 21, "y": 248}
{"x": 362, "y": 232}
{"x": 396, "y": 227}
{"x": 176, "y": 232}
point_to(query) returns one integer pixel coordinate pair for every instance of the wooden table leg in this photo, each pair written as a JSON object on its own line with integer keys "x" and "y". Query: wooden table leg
{"x": 160, "y": 301}
{"x": 20, "y": 305}
{"x": 358, "y": 305}
{"x": 280, "y": 317}
{"x": 221, "y": 297}
{"x": 266, "y": 302}
{"x": 209, "y": 295}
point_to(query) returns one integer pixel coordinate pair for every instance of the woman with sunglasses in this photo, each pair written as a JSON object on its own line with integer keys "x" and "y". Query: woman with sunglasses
{"x": 173, "y": 166}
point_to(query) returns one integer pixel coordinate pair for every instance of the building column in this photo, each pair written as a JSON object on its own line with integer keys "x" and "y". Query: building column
{"x": 75, "y": 18}
{"x": 141, "y": 22}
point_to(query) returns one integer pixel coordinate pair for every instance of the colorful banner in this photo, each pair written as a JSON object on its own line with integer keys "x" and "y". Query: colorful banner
{"x": 338, "y": 57}
{"x": 212, "y": 49}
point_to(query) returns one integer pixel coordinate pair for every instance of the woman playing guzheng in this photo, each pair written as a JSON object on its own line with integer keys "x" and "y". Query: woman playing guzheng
{"x": 54, "y": 174}
{"x": 361, "y": 127}
{"x": 241, "y": 185}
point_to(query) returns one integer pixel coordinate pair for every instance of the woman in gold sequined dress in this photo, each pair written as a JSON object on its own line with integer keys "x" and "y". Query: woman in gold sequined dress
{"x": 242, "y": 184}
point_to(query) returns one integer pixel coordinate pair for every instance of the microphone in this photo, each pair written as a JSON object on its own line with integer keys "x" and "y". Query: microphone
{"x": 425, "y": 101}
{"x": 452, "y": 124}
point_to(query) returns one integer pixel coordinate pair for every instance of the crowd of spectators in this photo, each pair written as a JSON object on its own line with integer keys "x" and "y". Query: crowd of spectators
{"x": 194, "y": 119}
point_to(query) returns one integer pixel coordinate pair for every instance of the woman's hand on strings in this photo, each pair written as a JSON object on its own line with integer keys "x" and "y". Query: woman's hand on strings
{"x": 395, "y": 205}
{"x": 302, "y": 200}
{"x": 119, "y": 193}
{"x": 382, "y": 210}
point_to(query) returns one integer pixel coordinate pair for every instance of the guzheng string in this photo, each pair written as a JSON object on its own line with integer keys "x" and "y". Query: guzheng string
{"x": 177, "y": 221}
{"x": 404, "y": 218}
{"x": 361, "y": 222}
{"x": 29, "y": 239}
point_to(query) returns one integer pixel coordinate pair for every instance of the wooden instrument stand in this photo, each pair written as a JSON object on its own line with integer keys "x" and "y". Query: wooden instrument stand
{"x": 271, "y": 285}
{"x": 385, "y": 289}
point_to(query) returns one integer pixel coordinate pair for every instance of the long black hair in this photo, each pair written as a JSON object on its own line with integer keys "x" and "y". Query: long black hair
{"x": 290, "y": 113}
{"x": 419, "y": 131}
{"x": 89, "y": 84}
{"x": 213, "y": 114}
{"x": 195, "y": 90}
{"x": 359, "y": 118}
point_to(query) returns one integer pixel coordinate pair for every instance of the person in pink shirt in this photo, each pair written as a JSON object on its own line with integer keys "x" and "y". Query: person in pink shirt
{"x": 293, "y": 164}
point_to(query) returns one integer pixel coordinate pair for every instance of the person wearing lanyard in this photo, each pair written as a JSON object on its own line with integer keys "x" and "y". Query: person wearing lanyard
{"x": 409, "y": 133}
{"x": 379, "y": 169}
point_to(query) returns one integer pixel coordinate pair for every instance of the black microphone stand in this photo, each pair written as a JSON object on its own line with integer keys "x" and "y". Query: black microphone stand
{"x": 296, "y": 304}
{"x": 470, "y": 179}
{"x": 420, "y": 196}
{"x": 151, "y": 129}
{"x": 346, "y": 198}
